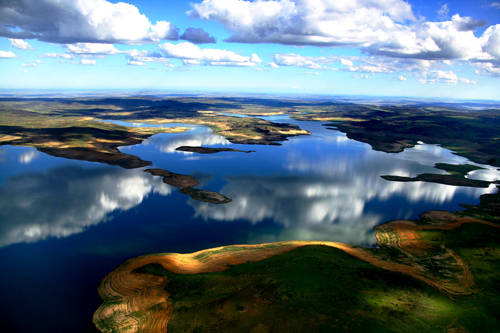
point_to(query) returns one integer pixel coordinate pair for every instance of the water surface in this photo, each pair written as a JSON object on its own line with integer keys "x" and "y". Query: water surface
{"x": 65, "y": 224}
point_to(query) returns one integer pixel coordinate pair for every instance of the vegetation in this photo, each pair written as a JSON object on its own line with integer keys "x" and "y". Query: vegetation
{"x": 435, "y": 274}
{"x": 456, "y": 176}
{"x": 454, "y": 180}
{"x": 472, "y": 134}
{"x": 208, "y": 150}
{"x": 459, "y": 170}
{"x": 389, "y": 128}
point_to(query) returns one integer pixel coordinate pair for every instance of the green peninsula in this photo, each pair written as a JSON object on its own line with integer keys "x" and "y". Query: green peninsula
{"x": 435, "y": 274}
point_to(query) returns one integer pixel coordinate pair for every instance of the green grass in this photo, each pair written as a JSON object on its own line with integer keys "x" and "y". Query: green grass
{"x": 315, "y": 289}
{"x": 459, "y": 170}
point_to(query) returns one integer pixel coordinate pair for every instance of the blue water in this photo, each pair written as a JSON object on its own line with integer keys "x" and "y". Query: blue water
{"x": 64, "y": 225}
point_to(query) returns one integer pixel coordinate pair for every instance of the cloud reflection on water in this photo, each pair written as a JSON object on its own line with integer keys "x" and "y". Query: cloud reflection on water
{"x": 199, "y": 136}
{"x": 28, "y": 157}
{"x": 327, "y": 198}
{"x": 67, "y": 200}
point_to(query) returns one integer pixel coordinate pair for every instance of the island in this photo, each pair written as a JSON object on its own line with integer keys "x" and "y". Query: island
{"x": 437, "y": 273}
{"x": 208, "y": 150}
{"x": 456, "y": 176}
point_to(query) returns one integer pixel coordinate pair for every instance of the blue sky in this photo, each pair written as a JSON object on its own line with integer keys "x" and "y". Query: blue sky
{"x": 348, "y": 47}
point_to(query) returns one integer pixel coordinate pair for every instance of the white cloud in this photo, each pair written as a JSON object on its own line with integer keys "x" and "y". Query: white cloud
{"x": 467, "y": 81}
{"x": 490, "y": 41}
{"x": 135, "y": 63}
{"x": 298, "y": 22}
{"x": 145, "y": 56}
{"x": 88, "y": 62}
{"x": 20, "y": 44}
{"x": 69, "y": 21}
{"x": 360, "y": 76}
{"x": 92, "y": 48}
{"x": 488, "y": 68}
{"x": 402, "y": 78}
{"x": 188, "y": 62}
{"x": 290, "y": 59}
{"x": 192, "y": 54}
{"x": 439, "y": 76}
{"x": 7, "y": 54}
{"x": 29, "y": 65}
{"x": 346, "y": 62}
{"x": 494, "y": 5}
{"x": 431, "y": 41}
{"x": 273, "y": 65}
{"x": 38, "y": 61}
{"x": 58, "y": 55}
{"x": 380, "y": 27}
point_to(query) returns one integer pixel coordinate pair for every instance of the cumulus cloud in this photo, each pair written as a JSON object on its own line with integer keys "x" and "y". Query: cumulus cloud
{"x": 402, "y": 78}
{"x": 490, "y": 41}
{"x": 487, "y": 69}
{"x": 69, "y": 21}
{"x": 385, "y": 28}
{"x": 346, "y": 62}
{"x": 366, "y": 64}
{"x": 192, "y": 54}
{"x": 7, "y": 54}
{"x": 20, "y": 44}
{"x": 439, "y": 76}
{"x": 197, "y": 36}
{"x": 431, "y": 41}
{"x": 88, "y": 62}
{"x": 140, "y": 57}
{"x": 290, "y": 59}
{"x": 92, "y": 49}
{"x": 296, "y": 22}
{"x": 467, "y": 23}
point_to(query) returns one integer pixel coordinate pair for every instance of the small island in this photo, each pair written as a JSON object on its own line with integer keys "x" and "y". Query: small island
{"x": 456, "y": 176}
{"x": 207, "y": 150}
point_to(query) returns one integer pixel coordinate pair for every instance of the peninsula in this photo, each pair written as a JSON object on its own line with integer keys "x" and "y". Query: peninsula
{"x": 437, "y": 272}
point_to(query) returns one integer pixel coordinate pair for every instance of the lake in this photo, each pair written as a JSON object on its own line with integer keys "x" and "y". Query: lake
{"x": 64, "y": 224}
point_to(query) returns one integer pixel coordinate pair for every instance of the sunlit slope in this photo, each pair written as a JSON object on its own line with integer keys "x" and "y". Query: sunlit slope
{"x": 435, "y": 274}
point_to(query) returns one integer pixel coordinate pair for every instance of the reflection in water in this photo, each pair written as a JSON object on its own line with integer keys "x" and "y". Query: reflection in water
{"x": 327, "y": 197}
{"x": 199, "y": 136}
{"x": 28, "y": 156}
{"x": 66, "y": 200}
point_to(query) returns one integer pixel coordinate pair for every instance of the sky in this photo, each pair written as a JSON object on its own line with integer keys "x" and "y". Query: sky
{"x": 418, "y": 48}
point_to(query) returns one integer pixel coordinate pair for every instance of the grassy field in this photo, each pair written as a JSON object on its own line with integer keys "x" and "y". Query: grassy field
{"x": 472, "y": 134}
{"x": 390, "y": 128}
{"x": 435, "y": 274}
